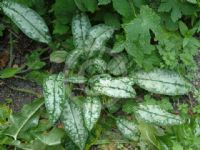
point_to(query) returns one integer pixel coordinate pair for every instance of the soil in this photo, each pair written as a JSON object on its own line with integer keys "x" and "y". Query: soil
{"x": 9, "y": 91}
{"x": 10, "y": 88}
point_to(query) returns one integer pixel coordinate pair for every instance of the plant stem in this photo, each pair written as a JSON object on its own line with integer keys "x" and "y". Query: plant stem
{"x": 11, "y": 49}
{"x": 25, "y": 91}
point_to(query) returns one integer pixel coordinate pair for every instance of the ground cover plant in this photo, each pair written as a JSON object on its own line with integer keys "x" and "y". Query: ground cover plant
{"x": 107, "y": 74}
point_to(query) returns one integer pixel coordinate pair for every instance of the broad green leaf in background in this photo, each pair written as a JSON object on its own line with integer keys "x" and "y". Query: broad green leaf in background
{"x": 74, "y": 124}
{"x": 54, "y": 95}
{"x": 154, "y": 114}
{"x": 97, "y": 36}
{"x": 80, "y": 27}
{"x": 90, "y": 5}
{"x": 162, "y": 82}
{"x": 177, "y": 8}
{"x": 117, "y": 88}
{"x": 140, "y": 26}
{"x": 27, "y": 20}
{"x": 86, "y": 5}
{"x": 9, "y": 72}
{"x": 18, "y": 121}
{"x": 54, "y": 137}
{"x": 63, "y": 12}
{"x": 58, "y": 56}
{"x": 91, "y": 111}
{"x": 124, "y": 7}
{"x": 118, "y": 65}
{"x": 128, "y": 129}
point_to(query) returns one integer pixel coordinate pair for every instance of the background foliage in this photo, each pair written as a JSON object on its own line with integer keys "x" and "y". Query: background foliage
{"x": 130, "y": 63}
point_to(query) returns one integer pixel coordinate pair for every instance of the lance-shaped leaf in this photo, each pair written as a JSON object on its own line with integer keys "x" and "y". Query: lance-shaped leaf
{"x": 91, "y": 111}
{"x": 94, "y": 65}
{"x": 54, "y": 94}
{"x": 27, "y": 20}
{"x": 72, "y": 119}
{"x": 97, "y": 37}
{"x": 162, "y": 82}
{"x": 117, "y": 65}
{"x": 76, "y": 79}
{"x": 118, "y": 88}
{"x": 128, "y": 129}
{"x": 54, "y": 137}
{"x": 80, "y": 27}
{"x": 19, "y": 121}
{"x": 73, "y": 58}
{"x": 154, "y": 114}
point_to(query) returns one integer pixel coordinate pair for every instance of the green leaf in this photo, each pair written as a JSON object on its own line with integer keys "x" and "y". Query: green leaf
{"x": 90, "y": 5}
{"x": 162, "y": 82}
{"x": 103, "y": 2}
{"x": 128, "y": 129}
{"x": 93, "y": 66}
{"x": 9, "y": 72}
{"x": 18, "y": 121}
{"x": 76, "y": 79}
{"x": 140, "y": 26}
{"x": 154, "y": 114}
{"x": 177, "y": 8}
{"x": 27, "y": 20}
{"x": 97, "y": 37}
{"x": 124, "y": 7}
{"x": 118, "y": 65}
{"x": 119, "y": 46}
{"x": 74, "y": 124}
{"x": 80, "y": 27}
{"x": 54, "y": 137}
{"x": 91, "y": 111}
{"x": 54, "y": 94}
{"x": 112, "y": 19}
{"x": 80, "y": 4}
{"x": 183, "y": 28}
{"x": 33, "y": 60}
{"x": 37, "y": 76}
{"x": 63, "y": 12}
{"x": 73, "y": 58}
{"x": 117, "y": 88}
{"x": 58, "y": 56}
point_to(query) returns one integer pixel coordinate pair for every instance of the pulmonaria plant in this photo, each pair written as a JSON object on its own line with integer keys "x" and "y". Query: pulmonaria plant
{"x": 87, "y": 65}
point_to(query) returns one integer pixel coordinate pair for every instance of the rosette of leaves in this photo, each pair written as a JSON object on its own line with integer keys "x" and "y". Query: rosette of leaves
{"x": 79, "y": 119}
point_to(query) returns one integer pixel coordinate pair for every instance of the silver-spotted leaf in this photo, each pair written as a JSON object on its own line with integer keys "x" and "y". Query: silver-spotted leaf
{"x": 91, "y": 111}
{"x": 80, "y": 27}
{"x": 162, "y": 82}
{"x": 155, "y": 114}
{"x": 73, "y": 121}
{"x": 118, "y": 88}
{"x": 73, "y": 58}
{"x": 97, "y": 37}
{"x": 27, "y": 20}
{"x": 128, "y": 129}
{"x": 117, "y": 65}
{"x": 94, "y": 65}
{"x": 54, "y": 94}
{"x": 76, "y": 79}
